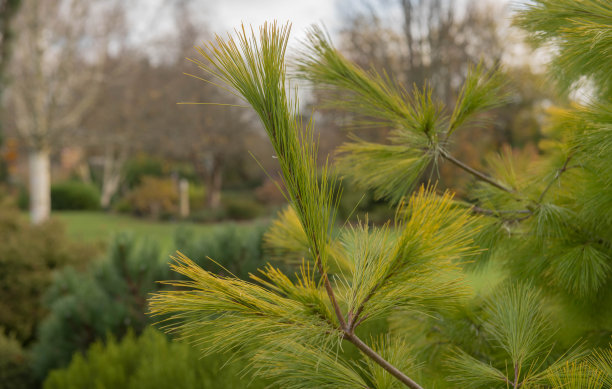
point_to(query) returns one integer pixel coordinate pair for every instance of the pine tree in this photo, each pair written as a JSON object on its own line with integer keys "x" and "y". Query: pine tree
{"x": 400, "y": 293}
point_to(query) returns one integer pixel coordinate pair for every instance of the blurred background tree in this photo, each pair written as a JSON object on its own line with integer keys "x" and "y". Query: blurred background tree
{"x": 60, "y": 50}
{"x": 8, "y": 9}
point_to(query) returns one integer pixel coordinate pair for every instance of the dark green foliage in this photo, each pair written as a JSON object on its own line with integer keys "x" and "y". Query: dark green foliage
{"x": 237, "y": 249}
{"x": 14, "y": 360}
{"x": 141, "y": 166}
{"x": 74, "y": 195}
{"x": 241, "y": 207}
{"x": 108, "y": 298}
{"x": 149, "y": 361}
{"x": 28, "y": 257}
{"x": 23, "y": 198}
{"x": 208, "y": 215}
{"x": 9, "y": 8}
{"x": 235, "y": 205}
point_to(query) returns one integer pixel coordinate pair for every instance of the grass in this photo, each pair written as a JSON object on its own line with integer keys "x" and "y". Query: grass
{"x": 97, "y": 227}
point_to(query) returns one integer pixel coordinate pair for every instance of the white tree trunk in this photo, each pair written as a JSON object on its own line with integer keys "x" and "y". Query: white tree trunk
{"x": 184, "y": 198}
{"x": 110, "y": 185}
{"x": 111, "y": 176}
{"x": 40, "y": 186}
{"x": 109, "y": 188}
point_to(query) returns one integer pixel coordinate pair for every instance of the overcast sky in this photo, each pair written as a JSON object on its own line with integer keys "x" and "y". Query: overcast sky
{"x": 153, "y": 18}
{"x": 230, "y": 13}
{"x": 150, "y": 17}
{"x": 221, "y": 16}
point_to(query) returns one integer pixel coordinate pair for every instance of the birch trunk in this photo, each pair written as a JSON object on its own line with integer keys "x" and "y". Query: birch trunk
{"x": 109, "y": 188}
{"x": 215, "y": 178}
{"x": 40, "y": 186}
{"x": 111, "y": 176}
{"x": 184, "y": 198}
{"x": 111, "y": 179}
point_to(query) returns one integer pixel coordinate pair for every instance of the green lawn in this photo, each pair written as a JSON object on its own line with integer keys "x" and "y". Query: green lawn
{"x": 100, "y": 226}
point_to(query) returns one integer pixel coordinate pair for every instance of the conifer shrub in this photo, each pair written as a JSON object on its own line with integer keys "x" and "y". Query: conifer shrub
{"x": 14, "y": 364}
{"x": 29, "y": 256}
{"x": 74, "y": 195}
{"x": 108, "y": 298}
{"x": 241, "y": 207}
{"x": 149, "y": 361}
{"x": 236, "y": 249}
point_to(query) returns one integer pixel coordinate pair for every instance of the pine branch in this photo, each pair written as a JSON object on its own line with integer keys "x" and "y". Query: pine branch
{"x": 255, "y": 68}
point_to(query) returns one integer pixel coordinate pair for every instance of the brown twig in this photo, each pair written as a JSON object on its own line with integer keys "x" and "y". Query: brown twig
{"x": 555, "y": 178}
{"x": 354, "y": 321}
{"x": 491, "y": 212}
{"x": 474, "y": 172}
{"x": 395, "y": 372}
{"x": 332, "y": 297}
{"x": 516, "y": 376}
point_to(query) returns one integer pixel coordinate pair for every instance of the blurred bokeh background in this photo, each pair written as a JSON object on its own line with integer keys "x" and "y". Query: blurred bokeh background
{"x": 104, "y": 173}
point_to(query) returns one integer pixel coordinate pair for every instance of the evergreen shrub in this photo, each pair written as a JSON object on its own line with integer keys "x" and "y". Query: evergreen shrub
{"x": 150, "y": 361}
{"x": 29, "y": 255}
{"x": 109, "y": 297}
{"x": 240, "y": 207}
{"x": 14, "y": 364}
{"x": 74, "y": 195}
{"x": 236, "y": 249}
{"x": 142, "y": 166}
